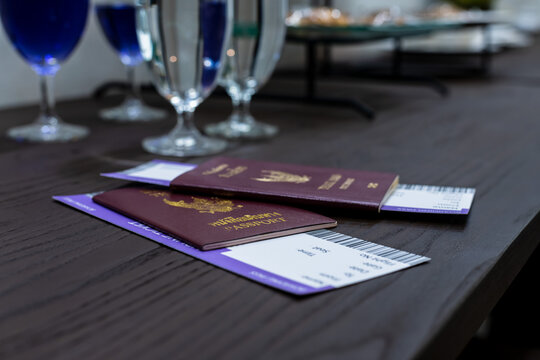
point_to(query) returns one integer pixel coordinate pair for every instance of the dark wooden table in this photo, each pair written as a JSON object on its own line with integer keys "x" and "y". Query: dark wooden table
{"x": 75, "y": 287}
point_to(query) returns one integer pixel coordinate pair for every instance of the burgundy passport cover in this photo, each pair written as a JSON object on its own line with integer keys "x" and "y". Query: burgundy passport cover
{"x": 207, "y": 222}
{"x": 295, "y": 184}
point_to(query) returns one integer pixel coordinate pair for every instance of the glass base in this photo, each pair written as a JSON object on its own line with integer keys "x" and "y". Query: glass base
{"x": 132, "y": 110}
{"x": 189, "y": 145}
{"x": 50, "y": 130}
{"x": 237, "y": 127}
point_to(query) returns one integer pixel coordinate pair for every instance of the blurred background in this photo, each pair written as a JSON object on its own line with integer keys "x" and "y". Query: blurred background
{"x": 94, "y": 63}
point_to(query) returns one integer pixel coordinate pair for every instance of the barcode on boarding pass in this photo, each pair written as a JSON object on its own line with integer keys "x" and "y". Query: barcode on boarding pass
{"x": 369, "y": 247}
{"x": 442, "y": 189}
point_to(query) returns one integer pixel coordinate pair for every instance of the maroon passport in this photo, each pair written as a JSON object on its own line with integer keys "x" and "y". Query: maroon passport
{"x": 294, "y": 184}
{"x": 208, "y": 222}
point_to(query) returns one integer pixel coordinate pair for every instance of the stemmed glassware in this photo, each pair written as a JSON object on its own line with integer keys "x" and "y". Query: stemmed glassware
{"x": 117, "y": 20}
{"x": 253, "y": 51}
{"x": 185, "y": 43}
{"x": 45, "y": 33}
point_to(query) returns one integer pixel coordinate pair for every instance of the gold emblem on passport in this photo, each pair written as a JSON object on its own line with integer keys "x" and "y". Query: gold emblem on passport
{"x": 205, "y": 206}
{"x": 233, "y": 171}
{"x": 280, "y": 176}
{"x": 373, "y": 185}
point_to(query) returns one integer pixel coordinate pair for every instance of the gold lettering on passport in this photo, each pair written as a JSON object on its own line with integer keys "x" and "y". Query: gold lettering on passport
{"x": 215, "y": 170}
{"x": 247, "y": 221}
{"x": 255, "y": 223}
{"x": 234, "y": 171}
{"x": 205, "y": 206}
{"x": 328, "y": 184}
{"x": 373, "y": 185}
{"x": 280, "y": 176}
{"x": 247, "y": 217}
{"x": 346, "y": 184}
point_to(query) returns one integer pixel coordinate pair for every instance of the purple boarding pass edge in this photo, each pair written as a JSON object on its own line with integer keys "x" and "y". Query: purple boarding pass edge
{"x": 424, "y": 211}
{"x": 84, "y": 203}
{"x": 125, "y": 175}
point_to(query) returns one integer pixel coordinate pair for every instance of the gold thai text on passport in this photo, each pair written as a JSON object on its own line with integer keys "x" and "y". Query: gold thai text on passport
{"x": 225, "y": 171}
{"x": 346, "y": 184}
{"x": 328, "y": 184}
{"x": 234, "y": 171}
{"x": 215, "y": 170}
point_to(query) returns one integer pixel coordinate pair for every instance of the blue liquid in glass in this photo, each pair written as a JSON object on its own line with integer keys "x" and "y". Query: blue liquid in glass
{"x": 214, "y": 24}
{"x": 44, "y": 32}
{"x": 118, "y": 24}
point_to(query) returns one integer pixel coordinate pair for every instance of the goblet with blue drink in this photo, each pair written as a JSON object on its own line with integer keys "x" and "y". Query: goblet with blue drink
{"x": 117, "y": 20}
{"x": 45, "y": 33}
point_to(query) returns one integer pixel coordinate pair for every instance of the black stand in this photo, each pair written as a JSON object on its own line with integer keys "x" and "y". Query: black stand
{"x": 311, "y": 97}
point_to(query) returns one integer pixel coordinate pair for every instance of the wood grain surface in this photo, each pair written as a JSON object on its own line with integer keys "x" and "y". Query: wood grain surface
{"x": 74, "y": 287}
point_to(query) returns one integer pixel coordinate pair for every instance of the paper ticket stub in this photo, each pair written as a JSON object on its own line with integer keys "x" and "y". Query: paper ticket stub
{"x": 299, "y": 264}
{"x": 158, "y": 172}
{"x": 430, "y": 199}
{"x": 406, "y": 198}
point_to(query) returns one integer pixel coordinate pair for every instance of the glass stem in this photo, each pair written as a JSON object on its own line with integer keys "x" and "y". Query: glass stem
{"x": 241, "y": 110}
{"x": 189, "y": 122}
{"x": 132, "y": 91}
{"x": 185, "y": 124}
{"x": 48, "y": 115}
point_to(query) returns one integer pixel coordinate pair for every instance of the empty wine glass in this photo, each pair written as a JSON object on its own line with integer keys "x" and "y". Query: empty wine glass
{"x": 45, "y": 33}
{"x": 253, "y": 51}
{"x": 184, "y": 42}
{"x": 117, "y": 20}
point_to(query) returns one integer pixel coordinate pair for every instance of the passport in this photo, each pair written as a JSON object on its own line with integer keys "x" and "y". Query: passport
{"x": 209, "y": 223}
{"x": 288, "y": 183}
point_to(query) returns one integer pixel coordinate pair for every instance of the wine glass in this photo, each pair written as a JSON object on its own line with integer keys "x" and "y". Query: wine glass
{"x": 184, "y": 42}
{"x": 45, "y": 33}
{"x": 253, "y": 51}
{"x": 117, "y": 20}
